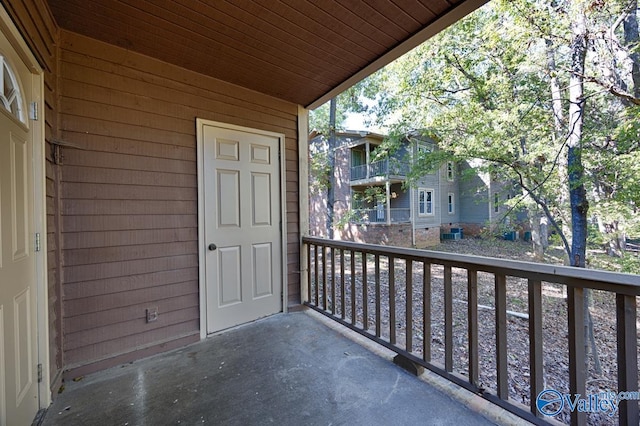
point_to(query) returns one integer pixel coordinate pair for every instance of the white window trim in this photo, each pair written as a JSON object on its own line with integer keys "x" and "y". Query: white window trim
{"x": 423, "y": 148}
{"x": 433, "y": 207}
{"x": 451, "y": 203}
{"x": 451, "y": 173}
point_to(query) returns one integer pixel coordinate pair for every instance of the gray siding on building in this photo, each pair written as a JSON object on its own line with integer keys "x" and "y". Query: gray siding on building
{"x": 474, "y": 196}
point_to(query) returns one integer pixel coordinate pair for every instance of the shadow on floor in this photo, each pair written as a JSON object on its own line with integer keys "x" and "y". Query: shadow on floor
{"x": 288, "y": 369}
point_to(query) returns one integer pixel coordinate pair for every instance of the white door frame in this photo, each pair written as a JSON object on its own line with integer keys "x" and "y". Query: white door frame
{"x": 36, "y": 128}
{"x": 202, "y": 242}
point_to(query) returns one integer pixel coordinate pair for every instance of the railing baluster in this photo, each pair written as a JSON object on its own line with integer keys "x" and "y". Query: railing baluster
{"x": 627, "y": 357}
{"x": 309, "y": 272}
{"x": 316, "y": 281}
{"x": 536, "y": 375}
{"x": 392, "y": 300}
{"x": 448, "y": 320}
{"x": 324, "y": 278}
{"x": 577, "y": 360}
{"x": 333, "y": 281}
{"x": 365, "y": 310}
{"x": 426, "y": 312}
{"x": 353, "y": 287}
{"x": 501, "y": 336}
{"x": 472, "y": 324}
{"x": 409, "y": 305}
{"x": 342, "y": 290}
{"x": 377, "y": 262}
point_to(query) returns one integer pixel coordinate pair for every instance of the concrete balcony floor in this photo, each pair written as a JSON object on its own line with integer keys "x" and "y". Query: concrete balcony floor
{"x": 288, "y": 369}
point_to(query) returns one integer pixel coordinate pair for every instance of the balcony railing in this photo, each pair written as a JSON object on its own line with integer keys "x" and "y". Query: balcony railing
{"x": 398, "y": 215}
{"x": 382, "y": 168}
{"x": 431, "y": 308}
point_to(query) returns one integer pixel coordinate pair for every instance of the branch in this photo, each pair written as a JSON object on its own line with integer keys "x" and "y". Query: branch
{"x": 612, "y": 88}
{"x": 547, "y": 213}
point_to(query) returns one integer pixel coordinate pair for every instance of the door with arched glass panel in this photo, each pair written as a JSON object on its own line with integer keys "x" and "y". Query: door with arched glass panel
{"x": 18, "y": 321}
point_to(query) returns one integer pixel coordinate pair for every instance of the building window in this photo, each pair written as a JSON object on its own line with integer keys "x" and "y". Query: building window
{"x": 451, "y": 203}
{"x": 10, "y": 96}
{"x": 423, "y": 149}
{"x": 425, "y": 202}
{"x": 450, "y": 170}
{"x": 496, "y": 201}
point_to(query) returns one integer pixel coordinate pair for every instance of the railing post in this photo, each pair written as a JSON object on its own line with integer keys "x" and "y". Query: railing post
{"x": 426, "y": 312}
{"x": 353, "y": 287}
{"x": 365, "y": 310}
{"x": 448, "y": 320}
{"x": 501, "y": 336}
{"x": 577, "y": 356}
{"x": 472, "y": 324}
{"x": 377, "y": 262}
{"x": 627, "y": 357}
{"x": 536, "y": 373}
{"x": 315, "y": 269}
{"x": 392, "y": 300}
{"x": 324, "y": 277}
{"x": 409, "y": 305}
{"x": 333, "y": 281}
{"x": 342, "y": 284}
{"x": 307, "y": 262}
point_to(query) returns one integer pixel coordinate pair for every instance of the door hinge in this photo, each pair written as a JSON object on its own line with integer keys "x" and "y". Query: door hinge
{"x": 33, "y": 111}
{"x": 39, "y": 373}
{"x": 38, "y": 241}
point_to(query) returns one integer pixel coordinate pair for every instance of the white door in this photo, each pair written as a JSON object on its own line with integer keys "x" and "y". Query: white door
{"x": 18, "y": 320}
{"x": 242, "y": 209}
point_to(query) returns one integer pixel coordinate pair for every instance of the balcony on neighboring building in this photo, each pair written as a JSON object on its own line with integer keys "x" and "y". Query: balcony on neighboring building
{"x": 378, "y": 171}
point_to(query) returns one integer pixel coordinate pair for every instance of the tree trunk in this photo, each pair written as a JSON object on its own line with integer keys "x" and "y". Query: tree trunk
{"x": 631, "y": 39}
{"x": 534, "y": 223}
{"x": 575, "y": 168}
{"x": 577, "y": 193}
{"x": 544, "y": 232}
{"x": 559, "y": 135}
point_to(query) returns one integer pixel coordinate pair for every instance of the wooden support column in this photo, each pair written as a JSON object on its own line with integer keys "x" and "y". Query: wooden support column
{"x": 627, "y": 357}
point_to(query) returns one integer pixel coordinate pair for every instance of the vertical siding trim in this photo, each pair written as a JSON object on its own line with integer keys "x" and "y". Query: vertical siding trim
{"x": 202, "y": 287}
{"x": 303, "y": 191}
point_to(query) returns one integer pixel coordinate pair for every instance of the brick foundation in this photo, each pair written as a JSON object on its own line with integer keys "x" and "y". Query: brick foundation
{"x": 398, "y": 235}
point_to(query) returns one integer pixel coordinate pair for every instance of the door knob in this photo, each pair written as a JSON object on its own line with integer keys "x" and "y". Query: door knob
{"x": 212, "y": 247}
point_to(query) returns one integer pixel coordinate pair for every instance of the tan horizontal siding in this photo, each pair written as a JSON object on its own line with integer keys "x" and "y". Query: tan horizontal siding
{"x": 95, "y": 191}
{"x": 98, "y": 335}
{"x": 94, "y": 174}
{"x": 132, "y": 282}
{"x": 129, "y": 343}
{"x": 88, "y": 239}
{"x": 129, "y": 193}
{"x": 106, "y": 302}
{"x": 101, "y": 319}
{"x": 98, "y": 271}
{"x": 130, "y": 222}
{"x": 122, "y": 253}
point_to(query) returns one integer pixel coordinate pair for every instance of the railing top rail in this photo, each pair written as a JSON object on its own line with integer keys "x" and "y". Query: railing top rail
{"x": 628, "y": 284}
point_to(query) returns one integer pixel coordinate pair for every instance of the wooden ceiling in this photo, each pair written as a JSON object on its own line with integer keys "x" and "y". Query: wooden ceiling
{"x": 300, "y": 51}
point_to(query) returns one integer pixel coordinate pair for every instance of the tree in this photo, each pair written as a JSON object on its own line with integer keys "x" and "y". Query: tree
{"x": 546, "y": 93}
